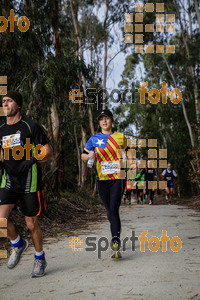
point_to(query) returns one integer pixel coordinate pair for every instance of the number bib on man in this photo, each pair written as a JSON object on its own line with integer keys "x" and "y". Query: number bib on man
{"x": 110, "y": 167}
{"x": 11, "y": 140}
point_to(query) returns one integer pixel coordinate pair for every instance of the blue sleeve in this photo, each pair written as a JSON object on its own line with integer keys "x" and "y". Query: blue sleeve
{"x": 89, "y": 146}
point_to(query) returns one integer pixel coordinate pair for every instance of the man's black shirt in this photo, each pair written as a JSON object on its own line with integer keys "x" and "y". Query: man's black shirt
{"x": 15, "y": 135}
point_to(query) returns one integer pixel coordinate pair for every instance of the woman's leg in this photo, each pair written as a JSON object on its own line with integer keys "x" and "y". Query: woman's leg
{"x": 115, "y": 201}
{"x": 103, "y": 189}
{"x": 110, "y": 194}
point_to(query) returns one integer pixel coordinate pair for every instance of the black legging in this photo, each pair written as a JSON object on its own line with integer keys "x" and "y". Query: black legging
{"x": 149, "y": 191}
{"x": 110, "y": 192}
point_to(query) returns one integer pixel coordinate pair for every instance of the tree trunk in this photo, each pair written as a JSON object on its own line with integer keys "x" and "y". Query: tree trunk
{"x": 55, "y": 122}
{"x": 78, "y": 157}
{"x": 105, "y": 54}
{"x": 191, "y": 69}
{"x": 57, "y": 136}
{"x": 55, "y": 29}
{"x": 182, "y": 104}
{"x": 190, "y": 20}
{"x": 83, "y": 168}
{"x": 197, "y": 11}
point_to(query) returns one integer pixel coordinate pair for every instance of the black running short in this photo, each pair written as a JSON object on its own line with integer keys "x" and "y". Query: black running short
{"x": 32, "y": 204}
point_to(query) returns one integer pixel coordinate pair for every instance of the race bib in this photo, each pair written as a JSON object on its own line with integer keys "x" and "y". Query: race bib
{"x": 110, "y": 167}
{"x": 169, "y": 178}
{"x": 9, "y": 141}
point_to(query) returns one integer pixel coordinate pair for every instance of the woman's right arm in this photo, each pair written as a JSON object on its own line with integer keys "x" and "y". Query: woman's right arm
{"x": 85, "y": 156}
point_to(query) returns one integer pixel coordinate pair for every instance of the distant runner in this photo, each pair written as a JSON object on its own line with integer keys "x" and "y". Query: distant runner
{"x": 140, "y": 178}
{"x": 21, "y": 179}
{"x": 104, "y": 146}
{"x": 124, "y": 196}
{"x": 168, "y": 175}
{"x": 128, "y": 191}
{"x": 150, "y": 175}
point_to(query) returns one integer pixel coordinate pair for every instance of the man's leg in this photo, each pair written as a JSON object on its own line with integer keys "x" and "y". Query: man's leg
{"x": 17, "y": 243}
{"x": 151, "y": 195}
{"x": 129, "y": 197}
{"x": 35, "y": 231}
{"x": 171, "y": 194}
{"x": 37, "y": 238}
{"x": 167, "y": 193}
{"x": 141, "y": 197}
{"x": 33, "y": 205}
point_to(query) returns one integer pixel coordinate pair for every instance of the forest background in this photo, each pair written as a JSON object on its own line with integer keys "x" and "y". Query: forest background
{"x": 77, "y": 45}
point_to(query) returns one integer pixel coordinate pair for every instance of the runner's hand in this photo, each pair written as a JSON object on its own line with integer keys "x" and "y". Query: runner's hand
{"x": 92, "y": 155}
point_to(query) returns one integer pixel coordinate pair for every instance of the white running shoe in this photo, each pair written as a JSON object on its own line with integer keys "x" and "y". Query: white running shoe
{"x": 15, "y": 255}
{"x": 39, "y": 268}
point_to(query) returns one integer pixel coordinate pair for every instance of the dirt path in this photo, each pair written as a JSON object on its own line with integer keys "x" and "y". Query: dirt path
{"x": 148, "y": 275}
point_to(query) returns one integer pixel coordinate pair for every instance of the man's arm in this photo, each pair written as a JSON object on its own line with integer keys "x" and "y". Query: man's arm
{"x": 1, "y": 160}
{"x": 1, "y": 155}
{"x": 163, "y": 175}
{"x": 48, "y": 154}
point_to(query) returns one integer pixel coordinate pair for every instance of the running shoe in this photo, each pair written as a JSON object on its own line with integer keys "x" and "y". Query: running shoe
{"x": 169, "y": 203}
{"x": 150, "y": 202}
{"x": 39, "y": 268}
{"x": 141, "y": 202}
{"x": 15, "y": 255}
{"x": 116, "y": 254}
{"x": 115, "y": 246}
{"x": 144, "y": 201}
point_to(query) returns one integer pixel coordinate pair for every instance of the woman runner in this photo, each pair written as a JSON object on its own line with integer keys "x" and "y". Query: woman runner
{"x": 104, "y": 147}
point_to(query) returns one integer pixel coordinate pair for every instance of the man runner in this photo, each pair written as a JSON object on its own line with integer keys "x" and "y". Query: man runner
{"x": 140, "y": 178}
{"x": 104, "y": 146}
{"x": 128, "y": 191}
{"x": 21, "y": 178}
{"x": 150, "y": 175}
{"x": 168, "y": 175}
